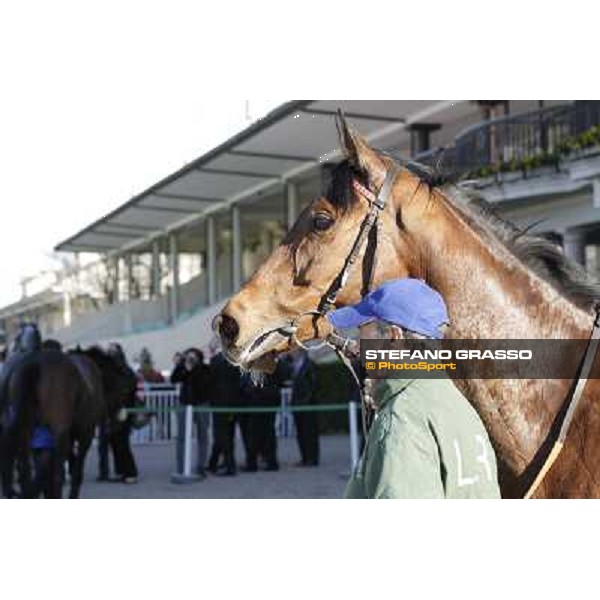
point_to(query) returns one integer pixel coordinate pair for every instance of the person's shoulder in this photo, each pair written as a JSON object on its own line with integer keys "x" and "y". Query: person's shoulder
{"x": 448, "y": 408}
{"x": 399, "y": 400}
{"x": 442, "y": 392}
{"x": 433, "y": 390}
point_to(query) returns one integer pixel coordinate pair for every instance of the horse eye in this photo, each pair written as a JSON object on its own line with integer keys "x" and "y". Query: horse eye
{"x": 322, "y": 222}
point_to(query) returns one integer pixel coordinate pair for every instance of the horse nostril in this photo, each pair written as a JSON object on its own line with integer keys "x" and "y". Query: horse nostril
{"x": 216, "y": 323}
{"x": 228, "y": 328}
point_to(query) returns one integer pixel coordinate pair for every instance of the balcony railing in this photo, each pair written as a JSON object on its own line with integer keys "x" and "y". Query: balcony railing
{"x": 520, "y": 142}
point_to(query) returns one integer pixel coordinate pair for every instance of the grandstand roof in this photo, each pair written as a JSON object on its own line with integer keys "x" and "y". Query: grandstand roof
{"x": 289, "y": 142}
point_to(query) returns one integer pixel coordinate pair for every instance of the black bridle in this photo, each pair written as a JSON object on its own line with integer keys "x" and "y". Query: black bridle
{"x": 367, "y": 233}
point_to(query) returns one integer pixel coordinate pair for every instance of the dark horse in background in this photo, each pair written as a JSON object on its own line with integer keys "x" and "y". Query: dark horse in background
{"x": 38, "y": 388}
{"x": 67, "y": 393}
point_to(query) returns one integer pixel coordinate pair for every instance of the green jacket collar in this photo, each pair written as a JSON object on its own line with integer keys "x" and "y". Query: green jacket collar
{"x": 388, "y": 389}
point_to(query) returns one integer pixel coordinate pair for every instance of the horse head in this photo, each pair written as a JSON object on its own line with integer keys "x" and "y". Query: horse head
{"x": 254, "y": 326}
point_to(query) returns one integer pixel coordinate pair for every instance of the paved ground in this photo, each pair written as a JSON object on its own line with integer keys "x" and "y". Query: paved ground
{"x": 156, "y": 462}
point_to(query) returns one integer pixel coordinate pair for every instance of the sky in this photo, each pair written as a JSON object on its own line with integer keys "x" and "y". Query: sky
{"x": 98, "y": 100}
{"x": 87, "y": 120}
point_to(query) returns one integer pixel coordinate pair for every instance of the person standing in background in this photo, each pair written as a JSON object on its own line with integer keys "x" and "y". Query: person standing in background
{"x": 225, "y": 391}
{"x": 147, "y": 373}
{"x": 261, "y": 437}
{"x": 119, "y": 433}
{"x": 246, "y": 421}
{"x": 304, "y": 385}
{"x": 270, "y": 396}
{"x": 194, "y": 377}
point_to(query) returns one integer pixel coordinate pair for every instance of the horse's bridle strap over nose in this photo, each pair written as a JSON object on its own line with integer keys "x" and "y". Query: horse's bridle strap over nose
{"x": 377, "y": 204}
{"x": 368, "y": 227}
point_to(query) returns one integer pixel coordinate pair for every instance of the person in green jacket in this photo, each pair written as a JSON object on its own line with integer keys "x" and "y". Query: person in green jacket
{"x": 426, "y": 440}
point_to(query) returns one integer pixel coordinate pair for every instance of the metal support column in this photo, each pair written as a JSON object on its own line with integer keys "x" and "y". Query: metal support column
{"x": 211, "y": 253}
{"x": 236, "y": 250}
{"x": 174, "y": 268}
{"x": 155, "y": 282}
{"x": 116, "y": 279}
{"x": 67, "y": 311}
{"x": 129, "y": 276}
{"x": 291, "y": 192}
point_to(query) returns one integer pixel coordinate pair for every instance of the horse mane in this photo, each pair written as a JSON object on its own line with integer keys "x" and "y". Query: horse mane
{"x": 542, "y": 256}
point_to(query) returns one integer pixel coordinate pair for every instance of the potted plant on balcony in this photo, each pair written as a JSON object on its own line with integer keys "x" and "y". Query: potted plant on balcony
{"x": 509, "y": 171}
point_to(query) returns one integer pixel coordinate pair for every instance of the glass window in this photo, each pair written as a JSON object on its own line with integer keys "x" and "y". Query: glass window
{"x": 263, "y": 226}
{"x": 193, "y": 267}
{"x": 224, "y": 243}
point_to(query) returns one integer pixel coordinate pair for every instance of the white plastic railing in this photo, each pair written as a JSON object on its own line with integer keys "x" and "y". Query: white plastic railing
{"x": 284, "y": 419}
{"x": 161, "y": 400}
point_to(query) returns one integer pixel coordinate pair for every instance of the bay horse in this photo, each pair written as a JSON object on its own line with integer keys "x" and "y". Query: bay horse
{"x": 498, "y": 283}
{"x": 39, "y": 388}
{"x": 68, "y": 393}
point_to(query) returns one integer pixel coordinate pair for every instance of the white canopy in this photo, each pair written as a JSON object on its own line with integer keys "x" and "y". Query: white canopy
{"x": 289, "y": 142}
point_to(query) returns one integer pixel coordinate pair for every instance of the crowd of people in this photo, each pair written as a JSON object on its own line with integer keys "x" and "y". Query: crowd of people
{"x": 216, "y": 383}
{"x": 209, "y": 383}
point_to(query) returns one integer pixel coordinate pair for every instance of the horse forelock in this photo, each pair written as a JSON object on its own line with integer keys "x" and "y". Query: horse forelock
{"x": 339, "y": 191}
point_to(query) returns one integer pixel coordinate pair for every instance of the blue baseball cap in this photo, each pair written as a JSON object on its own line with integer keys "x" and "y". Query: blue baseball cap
{"x": 408, "y": 303}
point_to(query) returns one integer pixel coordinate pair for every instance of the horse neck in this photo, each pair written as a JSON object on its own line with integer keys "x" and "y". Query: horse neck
{"x": 491, "y": 294}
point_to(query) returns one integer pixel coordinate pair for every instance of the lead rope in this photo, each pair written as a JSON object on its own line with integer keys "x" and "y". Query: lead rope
{"x": 365, "y": 400}
{"x": 588, "y": 363}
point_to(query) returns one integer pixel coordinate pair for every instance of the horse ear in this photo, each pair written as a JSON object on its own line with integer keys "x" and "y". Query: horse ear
{"x": 358, "y": 151}
{"x": 347, "y": 138}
